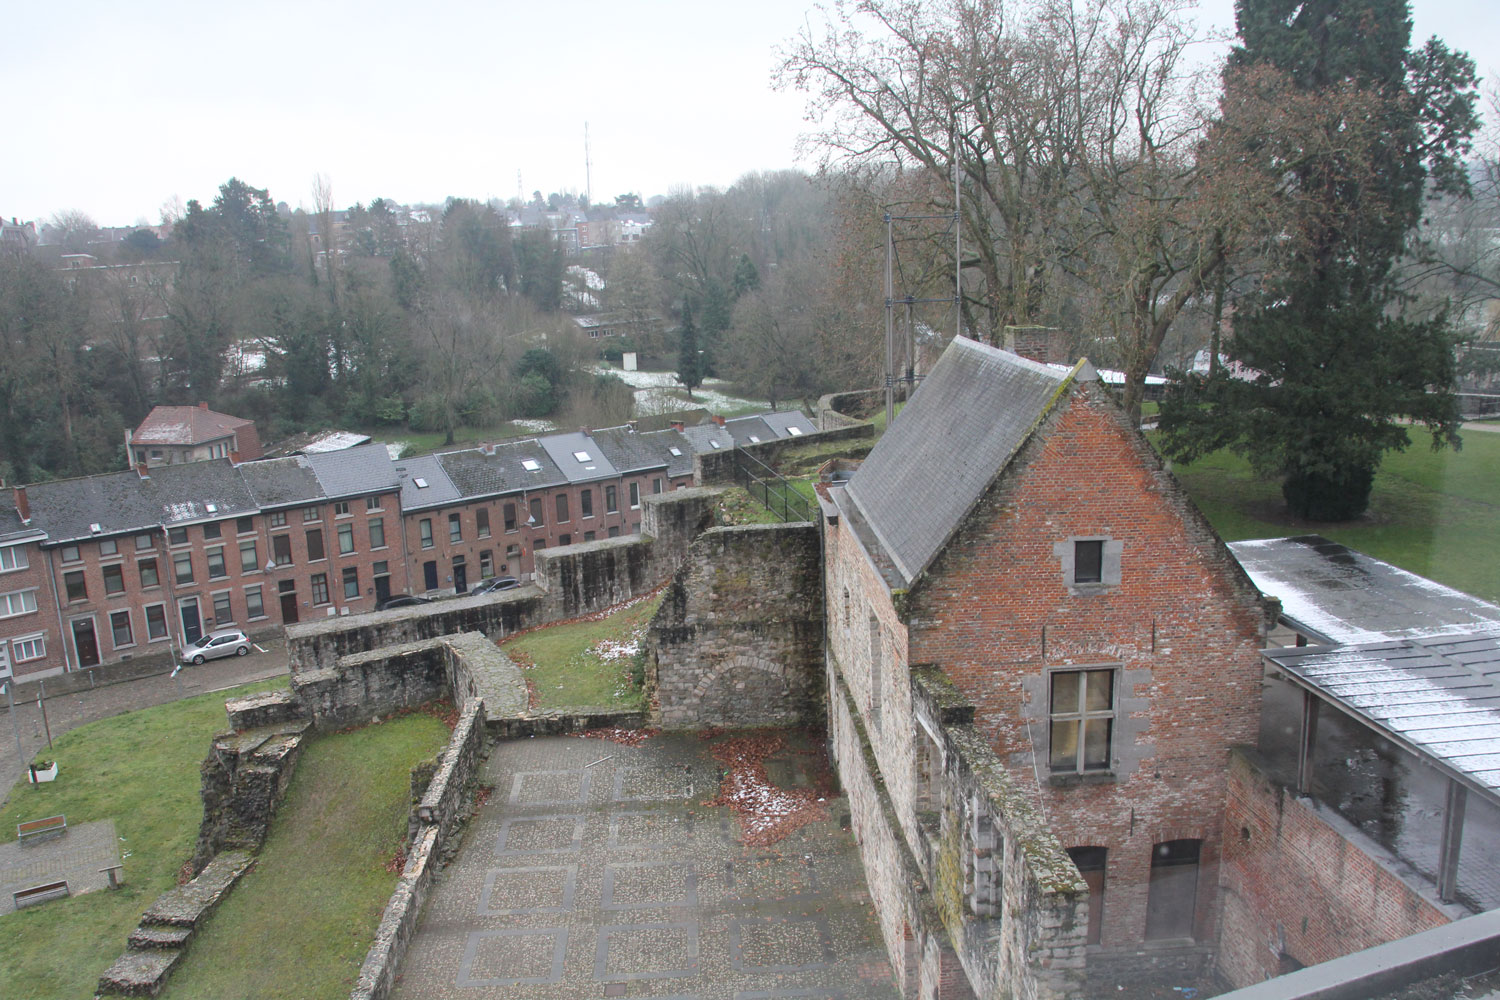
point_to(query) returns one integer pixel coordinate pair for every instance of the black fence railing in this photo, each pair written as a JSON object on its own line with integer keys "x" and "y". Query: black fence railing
{"x": 771, "y": 489}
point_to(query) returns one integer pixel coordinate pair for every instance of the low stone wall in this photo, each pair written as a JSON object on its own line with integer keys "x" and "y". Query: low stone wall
{"x": 244, "y": 779}
{"x": 1022, "y": 934}
{"x": 571, "y": 580}
{"x": 839, "y": 409}
{"x": 717, "y": 468}
{"x": 437, "y": 815}
{"x": 1301, "y": 881}
{"x": 738, "y": 639}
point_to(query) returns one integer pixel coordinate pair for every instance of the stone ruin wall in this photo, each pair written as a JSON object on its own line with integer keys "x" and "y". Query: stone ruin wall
{"x": 738, "y": 639}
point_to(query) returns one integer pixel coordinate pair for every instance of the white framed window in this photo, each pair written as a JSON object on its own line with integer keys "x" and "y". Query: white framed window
{"x": 1082, "y": 713}
{"x": 28, "y": 647}
{"x": 19, "y": 602}
{"x": 156, "y": 622}
{"x": 254, "y": 605}
{"x": 341, "y": 508}
{"x": 120, "y": 630}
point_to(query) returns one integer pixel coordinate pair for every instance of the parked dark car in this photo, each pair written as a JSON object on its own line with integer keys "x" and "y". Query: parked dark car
{"x": 401, "y": 601}
{"x": 495, "y": 585}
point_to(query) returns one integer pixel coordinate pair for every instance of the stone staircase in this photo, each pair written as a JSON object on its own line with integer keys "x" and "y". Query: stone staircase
{"x": 156, "y": 945}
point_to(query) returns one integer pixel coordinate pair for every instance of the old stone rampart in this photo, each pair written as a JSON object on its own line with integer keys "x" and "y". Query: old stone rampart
{"x": 1301, "y": 881}
{"x": 571, "y": 580}
{"x": 441, "y": 809}
{"x": 244, "y": 779}
{"x": 988, "y": 883}
{"x": 1008, "y": 894}
{"x": 738, "y": 639}
{"x": 716, "y": 468}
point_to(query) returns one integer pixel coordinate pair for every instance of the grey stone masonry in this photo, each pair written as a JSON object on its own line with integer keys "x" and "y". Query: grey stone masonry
{"x": 738, "y": 638}
{"x": 571, "y": 580}
{"x": 245, "y": 777}
{"x": 165, "y": 928}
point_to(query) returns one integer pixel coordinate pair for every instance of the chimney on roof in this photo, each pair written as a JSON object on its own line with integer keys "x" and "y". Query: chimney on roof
{"x": 202, "y": 405}
{"x": 679, "y": 426}
{"x": 140, "y": 470}
{"x": 234, "y": 457}
{"x": 719, "y": 420}
{"x": 23, "y": 506}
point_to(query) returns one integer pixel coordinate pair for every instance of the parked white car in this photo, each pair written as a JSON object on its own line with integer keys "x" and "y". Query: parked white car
{"x": 225, "y": 642}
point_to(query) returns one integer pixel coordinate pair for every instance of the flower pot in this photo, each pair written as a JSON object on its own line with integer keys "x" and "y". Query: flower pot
{"x": 37, "y": 775}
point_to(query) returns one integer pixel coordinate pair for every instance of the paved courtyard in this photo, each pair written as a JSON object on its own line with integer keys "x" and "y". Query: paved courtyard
{"x": 75, "y": 857}
{"x": 595, "y": 870}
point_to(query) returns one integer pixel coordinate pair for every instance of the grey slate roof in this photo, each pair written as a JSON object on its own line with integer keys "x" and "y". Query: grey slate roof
{"x": 278, "y": 482}
{"x": 123, "y": 502}
{"x": 1338, "y": 595}
{"x": 11, "y": 527}
{"x": 680, "y": 464}
{"x": 476, "y": 474}
{"x": 428, "y": 468}
{"x": 959, "y": 432}
{"x": 703, "y": 436}
{"x": 1438, "y": 695}
{"x": 750, "y": 430}
{"x": 353, "y": 471}
{"x": 629, "y": 451}
{"x": 561, "y": 447}
{"x": 783, "y": 421}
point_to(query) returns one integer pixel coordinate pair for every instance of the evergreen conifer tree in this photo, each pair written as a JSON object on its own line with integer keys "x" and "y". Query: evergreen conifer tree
{"x": 1338, "y": 364}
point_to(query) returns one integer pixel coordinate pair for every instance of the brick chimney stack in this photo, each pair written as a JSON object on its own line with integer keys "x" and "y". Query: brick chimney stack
{"x": 23, "y": 506}
{"x": 140, "y": 470}
{"x": 679, "y": 426}
{"x": 719, "y": 420}
{"x": 202, "y": 405}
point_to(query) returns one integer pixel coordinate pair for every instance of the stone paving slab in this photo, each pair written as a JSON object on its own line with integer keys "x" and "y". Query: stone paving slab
{"x": 76, "y": 856}
{"x": 595, "y": 870}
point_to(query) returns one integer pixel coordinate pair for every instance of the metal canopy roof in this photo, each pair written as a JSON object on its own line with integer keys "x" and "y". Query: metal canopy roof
{"x": 1439, "y": 696}
{"x": 1333, "y": 593}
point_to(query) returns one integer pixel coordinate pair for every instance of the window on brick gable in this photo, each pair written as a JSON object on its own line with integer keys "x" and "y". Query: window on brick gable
{"x": 1088, "y": 561}
{"x": 1082, "y": 720}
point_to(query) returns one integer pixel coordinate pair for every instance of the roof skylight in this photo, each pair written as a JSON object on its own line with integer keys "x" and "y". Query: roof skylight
{"x": 676, "y": 452}
{"x": 531, "y": 465}
{"x": 582, "y": 456}
{"x": 421, "y": 483}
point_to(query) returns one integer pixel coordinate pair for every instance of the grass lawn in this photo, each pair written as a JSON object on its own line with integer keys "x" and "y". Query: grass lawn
{"x": 1433, "y": 513}
{"x": 141, "y": 770}
{"x": 299, "y": 924}
{"x": 585, "y": 663}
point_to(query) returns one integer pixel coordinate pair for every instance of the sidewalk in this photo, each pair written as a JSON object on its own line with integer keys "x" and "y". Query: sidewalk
{"x": 68, "y": 711}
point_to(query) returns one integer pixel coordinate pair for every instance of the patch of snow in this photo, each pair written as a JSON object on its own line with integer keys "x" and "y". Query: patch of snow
{"x": 536, "y": 426}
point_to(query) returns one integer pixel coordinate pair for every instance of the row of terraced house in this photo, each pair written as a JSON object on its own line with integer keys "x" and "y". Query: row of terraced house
{"x": 112, "y": 567}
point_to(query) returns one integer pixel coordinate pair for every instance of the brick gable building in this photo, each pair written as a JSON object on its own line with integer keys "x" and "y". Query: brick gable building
{"x": 1015, "y": 540}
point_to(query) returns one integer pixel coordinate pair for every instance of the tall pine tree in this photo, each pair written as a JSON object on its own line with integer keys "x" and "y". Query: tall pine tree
{"x": 689, "y": 358}
{"x": 1339, "y": 364}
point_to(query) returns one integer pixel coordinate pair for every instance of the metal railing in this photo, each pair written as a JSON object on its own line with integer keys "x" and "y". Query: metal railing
{"x": 769, "y": 488}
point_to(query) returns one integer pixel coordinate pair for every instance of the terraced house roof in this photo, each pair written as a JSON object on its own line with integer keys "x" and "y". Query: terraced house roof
{"x": 120, "y": 502}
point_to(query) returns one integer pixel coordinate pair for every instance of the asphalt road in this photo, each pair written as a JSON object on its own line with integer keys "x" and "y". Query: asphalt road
{"x": 65, "y": 712}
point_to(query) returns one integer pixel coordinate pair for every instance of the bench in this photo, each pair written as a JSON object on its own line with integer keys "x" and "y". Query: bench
{"x": 40, "y": 894}
{"x": 41, "y": 829}
{"x": 115, "y": 878}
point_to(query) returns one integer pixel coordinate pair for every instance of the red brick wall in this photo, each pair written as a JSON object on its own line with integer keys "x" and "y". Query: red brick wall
{"x": 1182, "y": 626}
{"x": 626, "y": 521}
{"x": 1293, "y": 881}
{"x": 43, "y": 619}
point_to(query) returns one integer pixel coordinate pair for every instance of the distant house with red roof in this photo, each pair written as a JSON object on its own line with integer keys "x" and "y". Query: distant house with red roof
{"x": 172, "y": 435}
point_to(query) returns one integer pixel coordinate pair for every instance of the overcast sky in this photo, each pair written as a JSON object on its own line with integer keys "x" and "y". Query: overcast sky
{"x": 115, "y": 108}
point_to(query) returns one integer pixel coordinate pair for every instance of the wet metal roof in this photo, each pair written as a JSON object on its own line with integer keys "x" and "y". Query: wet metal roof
{"x": 1437, "y": 695}
{"x": 1337, "y": 595}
